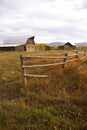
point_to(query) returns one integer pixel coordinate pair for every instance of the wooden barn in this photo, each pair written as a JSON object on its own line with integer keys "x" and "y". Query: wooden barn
{"x": 69, "y": 46}
{"x": 22, "y": 43}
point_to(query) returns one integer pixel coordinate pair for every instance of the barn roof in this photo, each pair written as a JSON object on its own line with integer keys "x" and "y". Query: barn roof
{"x": 10, "y": 45}
{"x": 73, "y": 44}
{"x": 15, "y": 41}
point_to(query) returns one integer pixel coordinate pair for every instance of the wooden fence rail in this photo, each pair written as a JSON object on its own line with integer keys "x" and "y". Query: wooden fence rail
{"x": 65, "y": 60}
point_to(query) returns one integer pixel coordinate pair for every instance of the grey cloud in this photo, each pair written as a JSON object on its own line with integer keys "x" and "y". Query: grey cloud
{"x": 85, "y": 4}
{"x": 2, "y": 2}
{"x": 20, "y": 17}
{"x": 67, "y": 30}
{"x": 8, "y": 4}
{"x": 81, "y": 5}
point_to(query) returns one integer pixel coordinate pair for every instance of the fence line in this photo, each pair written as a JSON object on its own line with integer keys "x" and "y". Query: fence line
{"x": 32, "y": 75}
{"x": 44, "y": 57}
{"x": 44, "y": 65}
{"x": 71, "y": 60}
{"x": 65, "y": 60}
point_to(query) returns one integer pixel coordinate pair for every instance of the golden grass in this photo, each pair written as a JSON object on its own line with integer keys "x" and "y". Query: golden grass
{"x": 55, "y": 103}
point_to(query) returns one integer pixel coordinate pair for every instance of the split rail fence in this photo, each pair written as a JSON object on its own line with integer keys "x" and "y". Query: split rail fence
{"x": 77, "y": 55}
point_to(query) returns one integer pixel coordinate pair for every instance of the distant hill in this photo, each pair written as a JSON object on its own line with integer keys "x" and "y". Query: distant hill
{"x": 62, "y": 43}
{"x": 81, "y": 44}
{"x": 56, "y": 43}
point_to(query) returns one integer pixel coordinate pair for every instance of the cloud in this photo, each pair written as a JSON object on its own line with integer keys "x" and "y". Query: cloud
{"x": 81, "y": 4}
{"x": 85, "y": 4}
{"x": 46, "y": 19}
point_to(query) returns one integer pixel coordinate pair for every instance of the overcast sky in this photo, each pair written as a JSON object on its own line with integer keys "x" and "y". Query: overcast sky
{"x": 47, "y": 20}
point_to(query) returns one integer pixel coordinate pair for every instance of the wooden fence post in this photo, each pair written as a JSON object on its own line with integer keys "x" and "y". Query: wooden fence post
{"x": 23, "y": 71}
{"x": 65, "y": 58}
{"x": 76, "y": 56}
{"x": 84, "y": 52}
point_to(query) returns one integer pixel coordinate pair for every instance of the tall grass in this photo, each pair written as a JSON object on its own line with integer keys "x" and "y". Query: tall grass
{"x": 55, "y": 103}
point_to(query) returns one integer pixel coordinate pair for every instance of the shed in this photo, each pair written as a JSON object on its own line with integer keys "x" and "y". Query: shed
{"x": 69, "y": 45}
{"x": 18, "y": 43}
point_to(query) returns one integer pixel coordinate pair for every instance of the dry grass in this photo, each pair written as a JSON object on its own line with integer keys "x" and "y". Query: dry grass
{"x": 55, "y": 103}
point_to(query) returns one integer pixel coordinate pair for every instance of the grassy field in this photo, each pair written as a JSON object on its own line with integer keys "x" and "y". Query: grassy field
{"x": 55, "y": 103}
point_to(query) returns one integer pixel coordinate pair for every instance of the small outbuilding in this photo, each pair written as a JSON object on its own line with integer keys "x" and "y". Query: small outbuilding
{"x": 19, "y": 43}
{"x": 69, "y": 45}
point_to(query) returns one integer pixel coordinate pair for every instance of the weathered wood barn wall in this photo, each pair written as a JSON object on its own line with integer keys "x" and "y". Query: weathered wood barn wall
{"x": 30, "y": 44}
{"x": 69, "y": 45}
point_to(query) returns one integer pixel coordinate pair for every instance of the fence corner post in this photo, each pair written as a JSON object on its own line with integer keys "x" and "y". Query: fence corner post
{"x": 23, "y": 72}
{"x": 65, "y": 59}
{"x": 84, "y": 52}
{"x": 76, "y": 55}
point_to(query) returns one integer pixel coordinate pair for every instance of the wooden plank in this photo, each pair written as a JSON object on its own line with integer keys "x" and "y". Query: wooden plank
{"x": 45, "y": 57}
{"x": 44, "y": 65}
{"x": 38, "y": 76}
{"x": 71, "y": 60}
{"x": 71, "y": 55}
